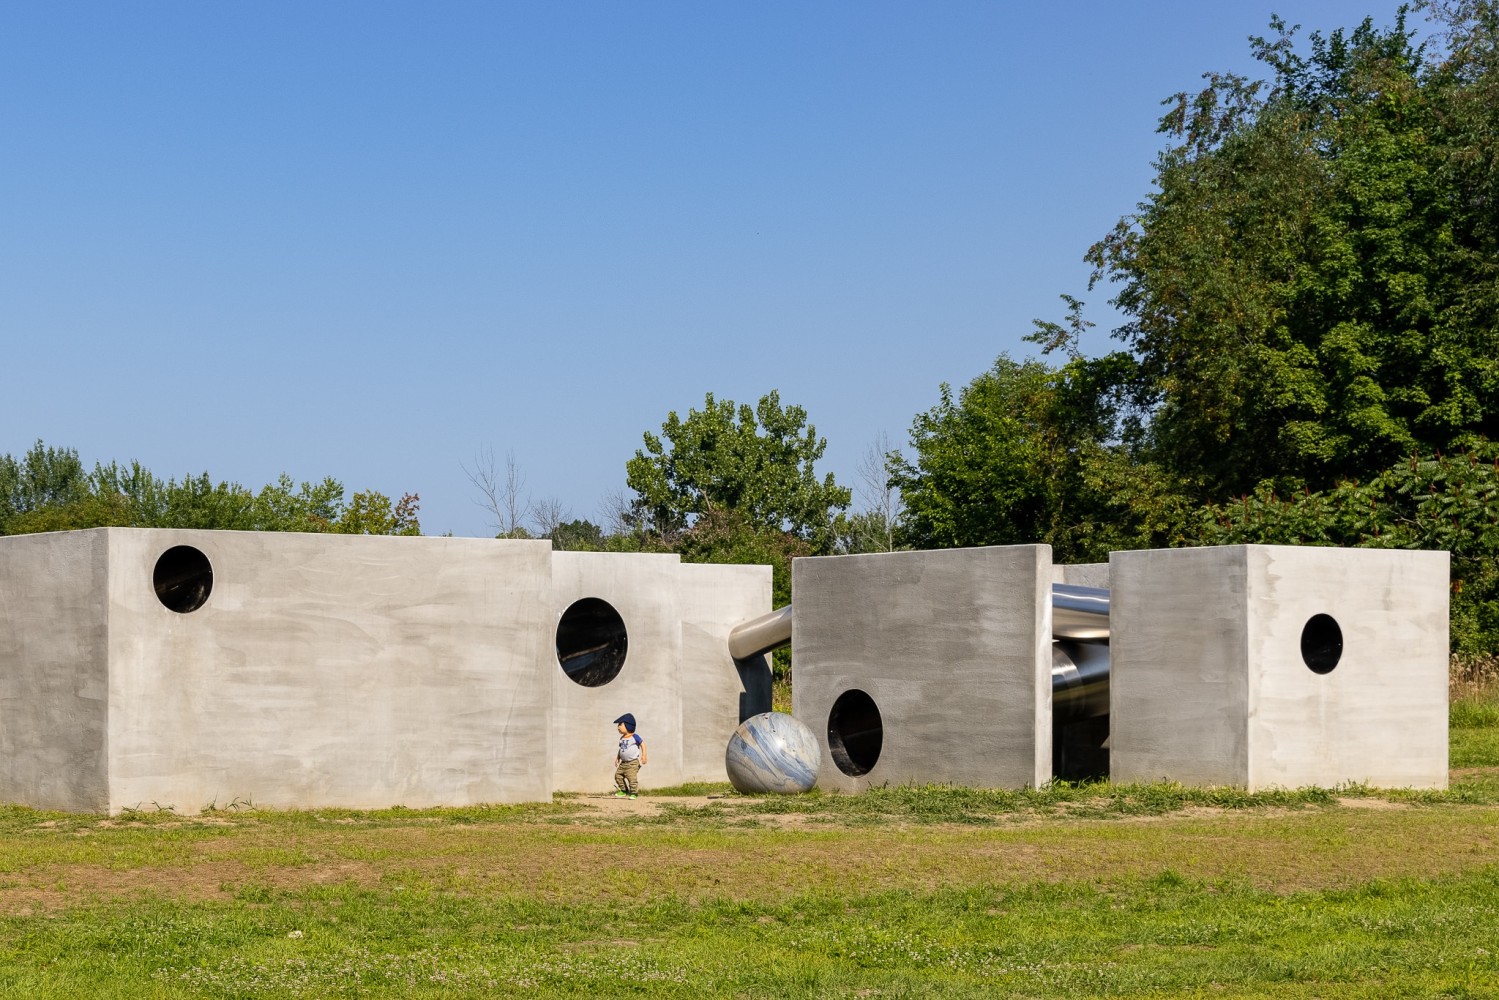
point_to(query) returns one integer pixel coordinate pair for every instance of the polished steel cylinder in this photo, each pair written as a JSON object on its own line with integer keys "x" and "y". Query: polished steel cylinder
{"x": 761, "y": 635}
{"x": 1079, "y": 680}
{"x": 1079, "y": 612}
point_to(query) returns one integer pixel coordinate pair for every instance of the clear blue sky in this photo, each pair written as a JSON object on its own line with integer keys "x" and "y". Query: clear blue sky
{"x": 367, "y": 240}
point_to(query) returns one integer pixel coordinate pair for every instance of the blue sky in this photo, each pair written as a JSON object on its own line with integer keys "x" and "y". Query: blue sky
{"x": 368, "y": 240}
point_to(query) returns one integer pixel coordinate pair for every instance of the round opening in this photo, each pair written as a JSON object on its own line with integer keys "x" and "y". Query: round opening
{"x": 855, "y": 733}
{"x": 591, "y": 642}
{"x": 1321, "y": 643}
{"x": 183, "y": 579}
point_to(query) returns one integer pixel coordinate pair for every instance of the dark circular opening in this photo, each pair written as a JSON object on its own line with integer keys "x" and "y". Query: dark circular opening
{"x": 855, "y": 733}
{"x": 1321, "y": 643}
{"x": 183, "y": 579}
{"x": 591, "y": 642}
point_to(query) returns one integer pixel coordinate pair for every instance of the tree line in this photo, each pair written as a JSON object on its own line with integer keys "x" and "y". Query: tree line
{"x": 49, "y": 489}
{"x": 1309, "y": 355}
{"x": 1310, "y": 352}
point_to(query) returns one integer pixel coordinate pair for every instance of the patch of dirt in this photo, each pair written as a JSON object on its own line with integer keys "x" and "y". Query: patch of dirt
{"x": 1380, "y": 804}
{"x": 610, "y": 805}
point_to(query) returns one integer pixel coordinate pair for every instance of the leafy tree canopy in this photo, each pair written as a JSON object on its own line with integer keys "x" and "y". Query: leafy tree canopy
{"x": 1029, "y": 453}
{"x": 47, "y": 489}
{"x": 756, "y": 462}
{"x": 1313, "y": 287}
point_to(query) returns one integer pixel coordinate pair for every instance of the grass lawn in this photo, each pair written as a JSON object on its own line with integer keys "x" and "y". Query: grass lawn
{"x": 1092, "y": 890}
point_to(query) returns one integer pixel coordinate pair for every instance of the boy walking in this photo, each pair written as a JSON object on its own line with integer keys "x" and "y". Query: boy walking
{"x": 629, "y": 758}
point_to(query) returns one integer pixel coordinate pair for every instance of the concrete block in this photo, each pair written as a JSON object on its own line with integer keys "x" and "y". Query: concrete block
{"x": 1278, "y": 666}
{"x": 638, "y": 594}
{"x": 54, "y": 671}
{"x": 718, "y": 693}
{"x": 354, "y": 671}
{"x": 935, "y": 666}
{"x": 675, "y": 677}
{"x": 1081, "y": 574}
{"x": 186, "y": 668}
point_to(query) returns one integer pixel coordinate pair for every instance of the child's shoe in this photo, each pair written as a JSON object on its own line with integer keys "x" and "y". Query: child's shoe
{"x": 620, "y": 795}
{"x": 634, "y": 796}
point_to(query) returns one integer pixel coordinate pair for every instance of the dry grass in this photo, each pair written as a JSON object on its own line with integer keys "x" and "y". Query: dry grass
{"x": 590, "y": 857}
{"x": 1473, "y": 678}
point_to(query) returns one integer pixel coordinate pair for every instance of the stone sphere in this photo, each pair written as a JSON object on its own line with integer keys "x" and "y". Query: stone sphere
{"x": 772, "y": 752}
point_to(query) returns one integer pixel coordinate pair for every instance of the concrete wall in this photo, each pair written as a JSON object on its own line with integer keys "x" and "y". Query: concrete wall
{"x": 677, "y": 680}
{"x": 1179, "y": 681}
{"x": 643, "y": 590}
{"x": 355, "y": 671}
{"x": 711, "y": 601}
{"x": 1082, "y": 574}
{"x": 352, "y": 671}
{"x": 54, "y": 654}
{"x": 954, "y": 648}
{"x": 1210, "y": 686}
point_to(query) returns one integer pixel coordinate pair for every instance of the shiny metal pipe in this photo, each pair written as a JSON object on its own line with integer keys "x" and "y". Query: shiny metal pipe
{"x": 1079, "y": 680}
{"x": 1079, "y": 612}
{"x": 761, "y": 635}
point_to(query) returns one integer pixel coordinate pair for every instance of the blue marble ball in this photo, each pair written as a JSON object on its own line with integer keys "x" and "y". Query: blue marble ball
{"x": 772, "y": 752}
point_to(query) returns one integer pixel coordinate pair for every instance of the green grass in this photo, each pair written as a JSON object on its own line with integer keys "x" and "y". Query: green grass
{"x": 1158, "y": 935}
{"x": 1163, "y": 891}
{"x": 1473, "y": 721}
{"x": 1077, "y": 890}
{"x": 1474, "y": 714}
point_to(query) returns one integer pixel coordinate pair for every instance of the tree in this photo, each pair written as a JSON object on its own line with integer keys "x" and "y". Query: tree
{"x": 501, "y": 494}
{"x": 1420, "y": 502}
{"x": 372, "y": 513}
{"x": 44, "y": 479}
{"x": 1028, "y": 453}
{"x": 1311, "y": 289}
{"x": 548, "y": 515}
{"x": 872, "y": 528}
{"x": 48, "y": 491}
{"x": 758, "y": 463}
{"x": 578, "y": 536}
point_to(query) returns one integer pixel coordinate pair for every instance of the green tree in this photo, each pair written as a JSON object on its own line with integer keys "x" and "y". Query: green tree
{"x": 1030, "y": 453}
{"x": 372, "y": 513}
{"x": 1310, "y": 290}
{"x": 44, "y": 484}
{"x": 578, "y": 536}
{"x": 47, "y": 490}
{"x": 757, "y": 463}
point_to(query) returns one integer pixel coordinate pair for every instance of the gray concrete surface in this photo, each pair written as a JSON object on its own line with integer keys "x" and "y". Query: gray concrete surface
{"x": 351, "y": 671}
{"x": 1081, "y": 574}
{"x": 642, "y": 588}
{"x": 711, "y": 601}
{"x": 354, "y": 671}
{"x": 954, "y": 648}
{"x": 678, "y": 680}
{"x": 1209, "y": 684}
{"x": 54, "y": 671}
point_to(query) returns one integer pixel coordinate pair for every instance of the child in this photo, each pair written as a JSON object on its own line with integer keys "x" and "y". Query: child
{"x": 629, "y": 758}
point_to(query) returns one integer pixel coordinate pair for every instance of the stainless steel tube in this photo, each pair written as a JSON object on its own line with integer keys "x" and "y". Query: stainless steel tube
{"x": 761, "y": 635}
{"x": 1079, "y": 680}
{"x": 1079, "y": 612}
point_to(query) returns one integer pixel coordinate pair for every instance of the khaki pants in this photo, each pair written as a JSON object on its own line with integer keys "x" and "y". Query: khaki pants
{"x": 627, "y": 776}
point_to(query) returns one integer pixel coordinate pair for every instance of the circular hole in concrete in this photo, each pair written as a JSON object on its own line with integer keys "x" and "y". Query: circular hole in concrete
{"x": 183, "y": 579}
{"x": 591, "y": 642}
{"x": 1321, "y": 643}
{"x": 855, "y": 733}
